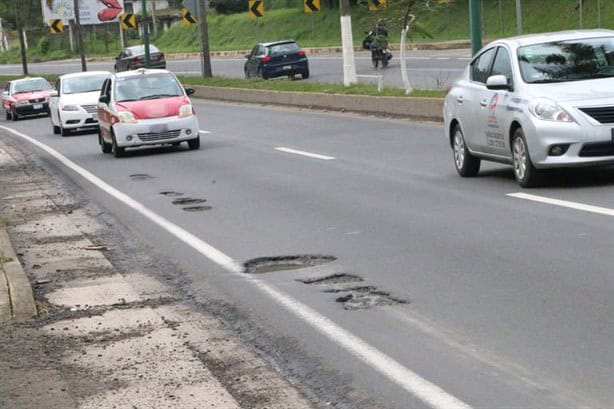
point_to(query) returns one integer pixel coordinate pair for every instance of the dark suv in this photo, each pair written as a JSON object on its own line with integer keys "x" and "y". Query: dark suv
{"x": 132, "y": 58}
{"x": 276, "y": 59}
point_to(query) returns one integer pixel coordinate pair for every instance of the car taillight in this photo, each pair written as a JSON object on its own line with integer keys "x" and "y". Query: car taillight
{"x": 266, "y": 58}
{"x": 301, "y": 53}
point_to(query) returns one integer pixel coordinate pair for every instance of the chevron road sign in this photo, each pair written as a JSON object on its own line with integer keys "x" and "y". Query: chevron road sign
{"x": 377, "y": 5}
{"x": 128, "y": 21}
{"x": 188, "y": 17}
{"x": 56, "y": 26}
{"x": 312, "y": 6}
{"x": 256, "y": 8}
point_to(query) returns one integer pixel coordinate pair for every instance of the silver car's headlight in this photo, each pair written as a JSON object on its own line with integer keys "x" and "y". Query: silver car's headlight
{"x": 548, "y": 110}
{"x": 70, "y": 108}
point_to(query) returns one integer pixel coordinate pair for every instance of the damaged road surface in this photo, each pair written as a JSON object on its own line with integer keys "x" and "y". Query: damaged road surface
{"x": 242, "y": 275}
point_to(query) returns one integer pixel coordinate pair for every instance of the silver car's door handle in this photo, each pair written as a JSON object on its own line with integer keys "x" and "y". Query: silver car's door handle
{"x": 483, "y": 103}
{"x": 459, "y": 99}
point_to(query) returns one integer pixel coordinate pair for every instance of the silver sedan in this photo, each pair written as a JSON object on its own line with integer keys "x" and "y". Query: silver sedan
{"x": 536, "y": 102}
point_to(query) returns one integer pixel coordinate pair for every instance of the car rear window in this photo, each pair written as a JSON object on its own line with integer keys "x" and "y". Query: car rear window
{"x": 140, "y": 49}
{"x": 151, "y": 86}
{"x": 285, "y": 48}
{"x": 571, "y": 60}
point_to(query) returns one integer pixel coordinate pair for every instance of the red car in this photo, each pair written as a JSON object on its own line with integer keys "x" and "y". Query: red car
{"x": 26, "y": 96}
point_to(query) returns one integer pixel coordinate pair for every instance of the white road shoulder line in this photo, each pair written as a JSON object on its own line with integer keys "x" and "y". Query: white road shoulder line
{"x": 427, "y": 392}
{"x": 303, "y": 153}
{"x": 564, "y": 203}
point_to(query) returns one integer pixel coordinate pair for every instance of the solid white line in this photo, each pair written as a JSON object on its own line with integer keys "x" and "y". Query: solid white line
{"x": 411, "y": 382}
{"x": 564, "y": 203}
{"x": 303, "y": 153}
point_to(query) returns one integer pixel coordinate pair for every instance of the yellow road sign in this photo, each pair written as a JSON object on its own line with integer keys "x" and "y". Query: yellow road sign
{"x": 128, "y": 21}
{"x": 188, "y": 17}
{"x": 256, "y": 8}
{"x": 377, "y": 5}
{"x": 56, "y": 26}
{"x": 312, "y": 6}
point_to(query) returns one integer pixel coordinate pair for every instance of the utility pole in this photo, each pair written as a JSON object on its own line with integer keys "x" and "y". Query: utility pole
{"x": 146, "y": 35}
{"x": 475, "y": 23}
{"x": 79, "y": 35}
{"x": 519, "y": 16}
{"x": 22, "y": 43}
{"x": 201, "y": 11}
{"x": 154, "y": 19}
{"x": 347, "y": 44}
{"x": 580, "y": 11}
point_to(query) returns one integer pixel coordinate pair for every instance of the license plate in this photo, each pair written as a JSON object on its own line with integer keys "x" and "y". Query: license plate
{"x": 37, "y": 106}
{"x": 161, "y": 128}
{"x": 287, "y": 67}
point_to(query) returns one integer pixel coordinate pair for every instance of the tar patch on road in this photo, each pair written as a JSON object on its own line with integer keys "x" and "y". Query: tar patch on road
{"x": 188, "y": 201}
{"x": 141, "y": 176}
{"x": 340, "y": 278}
{"x": 170, "y": 193}
{"x": 197, "y": 208}
{"x": 283, "y": 263}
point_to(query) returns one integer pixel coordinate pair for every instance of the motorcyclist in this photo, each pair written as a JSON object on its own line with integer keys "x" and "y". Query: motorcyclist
{"x": 379, "y": 43}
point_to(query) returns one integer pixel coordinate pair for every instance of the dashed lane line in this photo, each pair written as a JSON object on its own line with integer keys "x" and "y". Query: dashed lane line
{"x": 303, "y": 153}
{"x": 563, "y": 203}
{"x": 429, "y": 393}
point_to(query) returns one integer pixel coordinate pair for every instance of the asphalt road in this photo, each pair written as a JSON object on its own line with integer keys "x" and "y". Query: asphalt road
{"x": 426, "y": 69}
{"x": 507, "y": 301}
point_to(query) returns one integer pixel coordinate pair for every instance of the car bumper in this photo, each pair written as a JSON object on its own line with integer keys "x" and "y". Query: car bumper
{"x": 156, "y": 131}
{"x": 32, "y": 109}
{"x": 75, "y": 120}
{"x": 587, "y": 144}
{"x": 292, "y": 68}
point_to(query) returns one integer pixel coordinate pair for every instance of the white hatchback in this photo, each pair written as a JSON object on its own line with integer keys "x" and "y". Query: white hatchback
{"x": 73, "y": 105}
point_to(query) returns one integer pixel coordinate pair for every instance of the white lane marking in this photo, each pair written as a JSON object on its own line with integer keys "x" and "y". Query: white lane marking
{"x": 203, "y": 131}
{"x": 564, "y": 203}
{"x": 443, "y": 58}
{"x": 303, "y": 153}
{"x": 411, "y": 382}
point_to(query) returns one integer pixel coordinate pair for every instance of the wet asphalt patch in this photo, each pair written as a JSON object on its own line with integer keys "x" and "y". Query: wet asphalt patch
{"x": 283, "y": 263}
{"x": 197, "y": 208}
{"x": 188, "y": 201}
{"x": 141, "y": 176}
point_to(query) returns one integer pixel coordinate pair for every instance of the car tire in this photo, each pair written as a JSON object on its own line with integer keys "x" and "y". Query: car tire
{"x": 247, "y": 76}
{"x": 525, "y": 173}
{"x": 8, "y": 115}
{"x": 117, "y": 151}
{"x": 305, "y": 74}
{"x": 64, "y": 131}
{"x": 14, "y": 115}
{"x": 104, "y": 147}
{"x": 262, "y": 75}
{"x": 194, "y": 144}
{"x": 56, "y": 129}
{"x": 465, "y": 163}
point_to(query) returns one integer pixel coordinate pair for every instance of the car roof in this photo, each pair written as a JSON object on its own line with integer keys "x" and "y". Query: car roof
{"x": 140, "y": 71}
{"x": 278, "y": 42}
{"x": 84, "y": 74}
{"x": 532, "y": 39}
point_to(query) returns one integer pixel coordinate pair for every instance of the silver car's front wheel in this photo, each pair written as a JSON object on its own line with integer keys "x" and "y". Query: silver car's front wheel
{"x": 524, "y": 171}
{"x": 465, "y": 163}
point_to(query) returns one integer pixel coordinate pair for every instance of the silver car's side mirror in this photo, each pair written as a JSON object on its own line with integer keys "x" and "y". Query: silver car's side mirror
{"x": 498, "y": 82}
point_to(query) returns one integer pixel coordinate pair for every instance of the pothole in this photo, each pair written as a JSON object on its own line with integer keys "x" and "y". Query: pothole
{"x": 361, "y": 289}
{"x": 183, "y": 201}
{"x": 339, "y": 278}
{"x": 362, "y": 300}
{"x": 170, "y": 193}
{"x": 141, "y": 176}
{"x": 197, "y": 208}
{"x": 283, "y": 263}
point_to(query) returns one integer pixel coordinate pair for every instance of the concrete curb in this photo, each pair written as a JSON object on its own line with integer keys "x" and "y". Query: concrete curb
{"x": 423, "y": 109}
{"x": 20, "y": 299}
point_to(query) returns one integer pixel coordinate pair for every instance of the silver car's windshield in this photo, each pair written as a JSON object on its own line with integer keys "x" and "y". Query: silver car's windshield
{"x": 563, "y": 61}
{"x": 152, "y": 86}
{"x": 77, "y": 85}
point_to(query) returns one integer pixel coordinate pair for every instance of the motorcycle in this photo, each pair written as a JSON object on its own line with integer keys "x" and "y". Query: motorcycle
{"x": 378, "y": 54}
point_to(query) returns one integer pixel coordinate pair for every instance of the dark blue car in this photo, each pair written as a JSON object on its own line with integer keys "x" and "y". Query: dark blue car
{"x": 276, "y": 59}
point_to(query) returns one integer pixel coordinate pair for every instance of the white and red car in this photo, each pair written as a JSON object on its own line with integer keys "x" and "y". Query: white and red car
{"x": 145, "y": 107}
{"x": 26, "y": 96}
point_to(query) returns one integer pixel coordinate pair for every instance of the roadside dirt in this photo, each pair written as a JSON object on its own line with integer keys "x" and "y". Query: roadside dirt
{"x": 114, "y": 329}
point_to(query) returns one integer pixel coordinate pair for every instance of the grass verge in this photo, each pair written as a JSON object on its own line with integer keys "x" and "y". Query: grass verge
{"x": 285, "y": 84}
